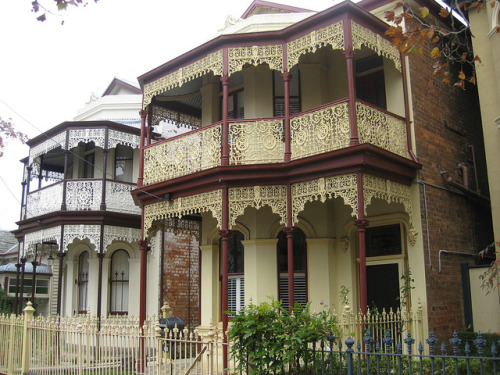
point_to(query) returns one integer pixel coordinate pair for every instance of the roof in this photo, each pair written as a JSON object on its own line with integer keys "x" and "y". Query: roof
{"x": 118, "y": 83}
{"x": 41, "y": 269}
{"x": 8, "y": 242}
{"x": 267, "y": 7}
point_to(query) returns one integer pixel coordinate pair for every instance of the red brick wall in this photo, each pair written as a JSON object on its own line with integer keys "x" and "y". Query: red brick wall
{"x": 181, "y": 273}
{"x": 447, "y": 120}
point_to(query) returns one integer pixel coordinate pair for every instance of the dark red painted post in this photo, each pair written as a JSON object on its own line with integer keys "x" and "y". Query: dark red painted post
{"x": 362, "y": 223}
{"x": 143, "y": 114}
{"x": 349, "y": 55}
{"x": 286, "y": 81}
{"x": 225, "y": 120}
{"x": 224, "y": 233}
{"x": 143, "y": 247}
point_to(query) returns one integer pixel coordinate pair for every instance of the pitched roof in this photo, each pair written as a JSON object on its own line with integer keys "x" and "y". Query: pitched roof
{"x": 8, "y": 242}
{"x": 117, "y": 83}
{"x": 267, "y": 7}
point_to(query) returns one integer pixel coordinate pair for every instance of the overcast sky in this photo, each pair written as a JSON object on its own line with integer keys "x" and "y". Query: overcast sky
{"x": 48, "y": 70}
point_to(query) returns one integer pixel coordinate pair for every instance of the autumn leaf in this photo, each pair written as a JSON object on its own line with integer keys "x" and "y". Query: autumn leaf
{"x": 476, "y": 58}
{"x": 461, "y": 75}
{"x": 424, "y": 12}
{"x": 41, "y": 18}
{"x": 460, "y": 84}
{"x": 389, "y": 16}
{"x": 472, "y": 80}
{"x": 446, "y": 78}
{"x": 464, "y": 57}
{"x": 435, "y": 53}
{"x": 444, "y": 13}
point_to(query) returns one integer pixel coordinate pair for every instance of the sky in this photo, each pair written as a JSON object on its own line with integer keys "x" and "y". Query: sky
{"x": 48, "y": 71}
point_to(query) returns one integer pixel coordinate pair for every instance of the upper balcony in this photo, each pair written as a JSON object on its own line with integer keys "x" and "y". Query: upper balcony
{"x": 324, "y": 94}
{"x": 81, "y": 166}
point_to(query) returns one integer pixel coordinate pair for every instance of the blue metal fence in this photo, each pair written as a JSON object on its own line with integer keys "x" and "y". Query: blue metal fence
{"x": 332, "y": 356}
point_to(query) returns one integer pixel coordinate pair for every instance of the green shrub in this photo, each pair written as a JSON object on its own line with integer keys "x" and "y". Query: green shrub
{"x": 5, "y": 303}
{"x": 267, "y": 338}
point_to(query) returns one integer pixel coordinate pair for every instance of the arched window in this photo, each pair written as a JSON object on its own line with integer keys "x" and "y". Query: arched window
{"x": 299, "y": 268}
{"x": 119, "y": 282}
{"x": 83, "y": 282}
{"x": 236, "y": 271}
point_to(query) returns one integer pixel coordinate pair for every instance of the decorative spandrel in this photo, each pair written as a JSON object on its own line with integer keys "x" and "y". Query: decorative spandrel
{"x": 363, "y": 36}
{"x": 111, "y": 233}
{"x": 82, "y": 232}
{"x": 120, "y": 138}
{"x": 273, "y": 196}
{"x": 58, "y": 140}
{"x": 343, "y": 186}
{"x": 332, "y": 35}
{"x": 387, "y": 190}
{"x": 381, "y": 129}
{"x": 256, "y": 142}
{"x": 210, "y": 63}
{"x": 182, "y": 156}
{"x": 52, "y": 235}
{"x": 255, "y": 55}
{"x": 194, "y": 204}
{"x": 86, "y": 136}
{"x": 321, "y": 131}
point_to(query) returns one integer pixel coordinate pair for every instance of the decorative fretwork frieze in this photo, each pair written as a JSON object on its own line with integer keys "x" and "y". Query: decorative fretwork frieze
{"x": 255, "y": 55}
{"x": 83, "y": 195}
{"x": 86, "y": 136}
{"x": 44, "y": 200}
{"x": 210, "y": 63}
{"x": 363, "y": 36}
{"x": 82, "y": 232}
{"x": 182, "y": 156}
{"x": 58, "y": 140}
{"x": 332, "y": 35}
{"x": 111, "y": 233}
{"x": 387, "y": 190}
{"x": 194, "y": 204}
{"x": 273, "y": 196}
{"x": 118, "y": 198}
{"x": 321, "y": 131}
{"x": 256, "y": 142}
{"x": 159, "y": 114}
{"x": 120, "y": 138}
{"x": 44, "y": 235}
{"x": 344, "y": 186}
{"x": 382, "y": 130}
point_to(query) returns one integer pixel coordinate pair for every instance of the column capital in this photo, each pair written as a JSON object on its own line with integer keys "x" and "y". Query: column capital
{"x": 361, "y": 223}
{"x": 224, "y": 233}
{"x": 143, "y": 245}
{"x": 226, "y": 80}
{"x": 349, "y": 52}
{"x": 61, "y": 254}
{"x": 100, "y": 256}
{"x": 288, "y": 230}
{"x": 287, "y": 76}
{"x": 143, "y": 113}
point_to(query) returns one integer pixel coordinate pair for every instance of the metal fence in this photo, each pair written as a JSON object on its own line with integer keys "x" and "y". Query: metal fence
{"x": 84, "y": 345}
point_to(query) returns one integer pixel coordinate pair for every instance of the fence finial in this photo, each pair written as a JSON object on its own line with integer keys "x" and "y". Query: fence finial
{"x": 166, "y": 310}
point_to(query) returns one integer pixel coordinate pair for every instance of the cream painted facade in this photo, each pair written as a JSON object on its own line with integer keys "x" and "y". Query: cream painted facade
{"x": 486, "y": 44}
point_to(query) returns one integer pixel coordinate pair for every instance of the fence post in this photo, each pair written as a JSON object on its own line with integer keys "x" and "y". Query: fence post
{"x": 10, "y": 366}
{"x": 349, "y": 342}
{"x": 26, "y": 354}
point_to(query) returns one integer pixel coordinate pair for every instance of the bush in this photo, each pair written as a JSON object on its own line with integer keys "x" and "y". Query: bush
{"x": 267, "y": 338}
{"x": 5, "y": 303}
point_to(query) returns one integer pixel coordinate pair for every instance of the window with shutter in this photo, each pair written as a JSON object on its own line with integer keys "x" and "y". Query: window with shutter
{"x": 236, "y": 271}
{"x": 299, "y": 267}
{"x": 83, "y": 282}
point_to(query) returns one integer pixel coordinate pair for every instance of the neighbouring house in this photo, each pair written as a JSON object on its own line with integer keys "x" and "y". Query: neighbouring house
{"x": 77, "y": 210}
{"x": 320, "y": 160}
